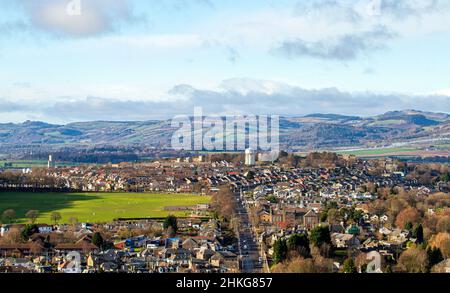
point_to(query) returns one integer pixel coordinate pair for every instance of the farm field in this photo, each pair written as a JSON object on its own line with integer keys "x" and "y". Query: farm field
{"x": 378, "y": 152}
{"x": 95, "y": 207}
{"x": 23, "y": 163}
{"x": 397, "y": 152}
{"x": 445, "y": 146}
{"x": 31, "y": 164}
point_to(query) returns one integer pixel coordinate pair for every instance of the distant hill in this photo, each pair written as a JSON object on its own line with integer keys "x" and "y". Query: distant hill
{"x": 303, "y": 132}
{"x": 333, "y": 117}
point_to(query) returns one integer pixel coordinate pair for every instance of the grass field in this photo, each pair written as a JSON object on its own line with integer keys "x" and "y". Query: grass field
{"x": 380, "y": 152}
{"x": 445, "y": 146}
{"x": 32, "y": 163}
{"x": 24, "y": 163}
{"x": 95, "y": 207}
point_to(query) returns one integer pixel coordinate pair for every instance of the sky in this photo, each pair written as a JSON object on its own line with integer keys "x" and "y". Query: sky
{"x": 63, "y": 61}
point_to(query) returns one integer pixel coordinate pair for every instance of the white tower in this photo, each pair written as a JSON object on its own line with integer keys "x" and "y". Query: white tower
{"x": 50, "y": 163}
{"x": 250, "y": 157}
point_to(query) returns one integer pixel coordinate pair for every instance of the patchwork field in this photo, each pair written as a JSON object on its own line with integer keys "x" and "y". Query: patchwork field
{"x": 95, "y": 207}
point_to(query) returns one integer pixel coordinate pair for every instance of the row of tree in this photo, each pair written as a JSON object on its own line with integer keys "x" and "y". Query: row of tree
{"x": 224, "y": 203}
{"x": 10, "y": 215}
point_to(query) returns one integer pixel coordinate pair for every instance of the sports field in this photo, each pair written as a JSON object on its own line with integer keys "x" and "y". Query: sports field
{"x": 95, "y": 207}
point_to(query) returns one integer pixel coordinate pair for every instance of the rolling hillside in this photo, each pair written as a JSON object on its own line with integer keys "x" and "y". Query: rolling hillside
{"x": 314, "y": 131}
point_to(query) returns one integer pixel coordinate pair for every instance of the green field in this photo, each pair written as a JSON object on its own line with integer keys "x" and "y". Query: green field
{"x": 445, "y": 146}
{"x": 32, "y": 163}
{"x": 380, "y": 152}
{"x": 95, "y": 207}
{"x": 24, "y": 163}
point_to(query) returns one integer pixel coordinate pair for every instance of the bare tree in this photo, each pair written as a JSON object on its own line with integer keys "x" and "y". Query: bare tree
{"x": 413, "y": 260}
{"x": 55, "y": 217}
{"x": 10, "y": 215}
{"x": 409, "y": 215}
{"x": 13, "y": 236}
{"x": 442, "y": 241}
{"x": 73, "y": 221}
{"x": 32, "y": 215}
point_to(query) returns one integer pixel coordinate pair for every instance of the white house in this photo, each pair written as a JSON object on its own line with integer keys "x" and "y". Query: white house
{"x": 45, "y": 229}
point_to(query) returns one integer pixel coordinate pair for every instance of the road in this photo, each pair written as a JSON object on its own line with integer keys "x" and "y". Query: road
{"x": 248, "y": 245}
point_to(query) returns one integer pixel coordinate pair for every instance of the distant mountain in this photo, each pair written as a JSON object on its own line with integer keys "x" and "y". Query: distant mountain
{"x": 304, "y": 132}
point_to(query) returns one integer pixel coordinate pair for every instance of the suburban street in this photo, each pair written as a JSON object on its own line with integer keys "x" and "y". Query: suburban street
{"x": 248, "y": 246}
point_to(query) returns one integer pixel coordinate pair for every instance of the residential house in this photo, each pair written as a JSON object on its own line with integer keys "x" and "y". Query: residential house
{"x": 345, "y": 240}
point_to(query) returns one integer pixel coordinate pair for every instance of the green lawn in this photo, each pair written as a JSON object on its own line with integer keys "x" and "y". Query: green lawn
{"x": 95, "y": 207}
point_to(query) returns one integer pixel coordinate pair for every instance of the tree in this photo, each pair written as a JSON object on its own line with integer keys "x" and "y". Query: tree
{"x": 32, "y": 215}
{"x": 443, "y": 224}
{"x": 55, "y": 217}
{"x": 97, "y": 240}
{"x": 356, "y": 215}
{"x": 73, "y": 221}
{"x": 250, "y": 175}
{"x": 323, "y": 216}
{"x": 280, "y": 250}
{"x": 170, "y": 232}
{"x": 300, "y": 244}
{"x": 9, "y": 215}
{"x": 171, "y": 222}
{"x": 413, "y": 260}
{"x": 409, "y": 215}
{"x": 28, "y": 231}
{"x": 224, "y": 202}
{"x": 349, "y": 266}
{"x": 13, "y": 236}
{"x": 434, "y": 256}
{"x": 442, "y": 241}
{"x": 333, "y": 216}
{"x": 418, "y": 233}
{"x": 408, "y": 226}
{"x": 297, "y": 265}
{"x": 272, "y": 199}
{"x": 300, "y": 265}
{"x": 320, "y": 235}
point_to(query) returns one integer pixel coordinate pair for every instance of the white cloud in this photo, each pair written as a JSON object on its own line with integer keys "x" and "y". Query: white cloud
{"x": 343, "y": 48}
{"x": 322, "y": 21}
{"x": 236, "y": 96}
{"x": 443, "y": 92}
{"x": 96, "y": 16}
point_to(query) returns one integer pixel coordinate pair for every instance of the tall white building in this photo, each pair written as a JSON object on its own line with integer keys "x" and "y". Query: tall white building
{"x": 51, "y": 163}
{"x": 250, "y": 157}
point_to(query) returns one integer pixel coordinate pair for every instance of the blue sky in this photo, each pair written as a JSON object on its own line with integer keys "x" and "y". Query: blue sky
{"x": 151, "y": 59}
